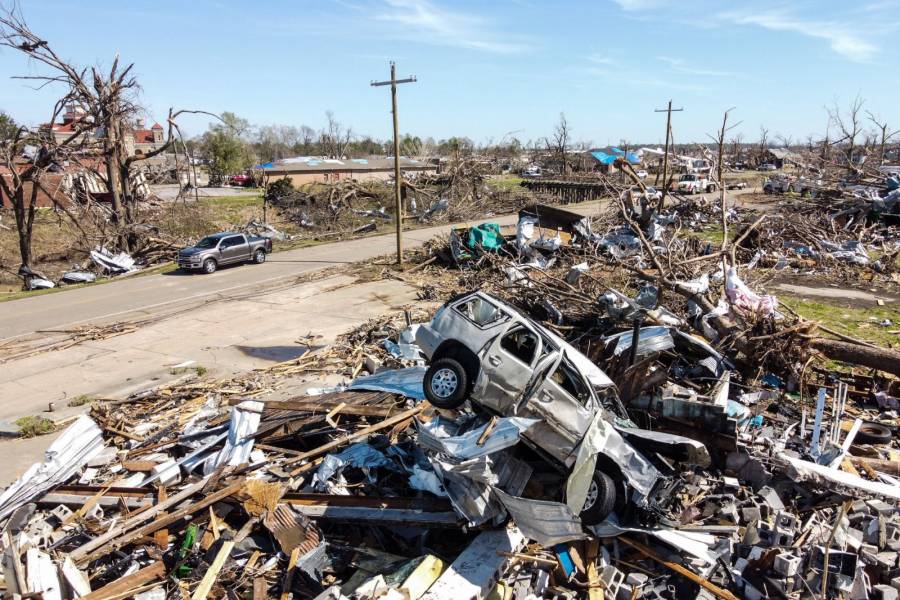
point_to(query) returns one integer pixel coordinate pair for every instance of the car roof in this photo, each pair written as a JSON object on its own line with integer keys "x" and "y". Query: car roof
{"x": 592, "y": 372}
{"x": 222, "y": 234}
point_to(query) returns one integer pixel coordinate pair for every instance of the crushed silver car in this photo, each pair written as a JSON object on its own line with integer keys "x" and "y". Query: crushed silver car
{"x": 487, "y": 352}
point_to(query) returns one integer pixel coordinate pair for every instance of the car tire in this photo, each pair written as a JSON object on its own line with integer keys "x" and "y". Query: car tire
{"x": 259, "y": 257}
{"x": 209, "y": 266}
{"x": 446, "y": 383}
{"x": 874, "y": 433}
{"x": 600, "y": 501}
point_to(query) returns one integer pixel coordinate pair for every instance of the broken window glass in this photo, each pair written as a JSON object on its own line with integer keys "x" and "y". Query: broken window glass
{"x": 520, "y": 343}
{"x": 479, "y": 311}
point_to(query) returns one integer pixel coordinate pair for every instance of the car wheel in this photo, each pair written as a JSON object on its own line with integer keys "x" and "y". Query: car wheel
{"x": 259, "y": 257}
{"x": 600, "y": 500}
{"x": 446, "y": 383}
{"x": 209, "y": 266}
{"x": 873, "y": 433}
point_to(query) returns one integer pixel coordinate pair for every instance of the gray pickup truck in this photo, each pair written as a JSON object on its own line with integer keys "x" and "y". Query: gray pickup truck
{"x": 224, "y": 248}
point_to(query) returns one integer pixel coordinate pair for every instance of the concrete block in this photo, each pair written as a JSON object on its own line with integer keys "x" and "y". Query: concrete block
{"x": 895, "y": 583}
{"x": 771, "y": 499}
{"x": 787, "y": 565}
{"x": 884, "y": 592}
{"x": 750, "y": 514}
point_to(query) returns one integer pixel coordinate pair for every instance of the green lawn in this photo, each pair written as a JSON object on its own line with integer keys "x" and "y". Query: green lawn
{"x": 504, "y": 182}
{"x": 862, "y": 323}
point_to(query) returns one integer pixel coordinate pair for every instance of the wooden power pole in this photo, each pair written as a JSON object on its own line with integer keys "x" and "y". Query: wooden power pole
{"x": 665, "y": 187}
{"x": 398, "y": 203}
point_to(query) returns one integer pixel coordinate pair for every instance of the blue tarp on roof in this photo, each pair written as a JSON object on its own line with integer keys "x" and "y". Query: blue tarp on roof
{"x": 608, "y": 157}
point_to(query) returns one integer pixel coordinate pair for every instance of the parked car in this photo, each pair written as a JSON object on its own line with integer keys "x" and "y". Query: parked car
{"x": 736, "y": 185}
{"x": 692, "y": 183}
{"x": 642, "y": 173}
{"x": 224, "y": 248}
{"x": 767, "y": 167}
{"x": 241, "y": 180}
{"x": 488, "y": 353}
{"x": 532, "y": 171}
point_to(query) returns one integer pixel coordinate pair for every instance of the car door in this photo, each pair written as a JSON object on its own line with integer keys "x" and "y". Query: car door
{"x": 564, "y": 403}
{"x": 507, "y": 366}
{"x": 232, "y": 249}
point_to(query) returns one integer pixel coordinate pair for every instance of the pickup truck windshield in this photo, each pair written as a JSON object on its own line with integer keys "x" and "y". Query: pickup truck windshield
{"x": 207, "y": 242}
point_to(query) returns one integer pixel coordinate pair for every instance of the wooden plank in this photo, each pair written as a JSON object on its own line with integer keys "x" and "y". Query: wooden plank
{"x": 260, "y": 588}
{"x": 119, "y": 540}
{"x": 209, "y": 578}
{"x": 680, "y": 569}
{"x": 356, "y": 410}
{"x": 139, "y": 466}
{"x": 126, "y": 584}
{"x": 289, "y": 574}
{"x": 476, "y": 570}
{"x": 329, "y": 418}
{"x": 422, "y": 577}
{"x": 326, "y": 448}
{"x": 161, "y": 537}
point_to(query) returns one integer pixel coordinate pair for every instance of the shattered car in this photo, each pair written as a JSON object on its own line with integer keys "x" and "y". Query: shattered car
{"x": 487, "y": 352}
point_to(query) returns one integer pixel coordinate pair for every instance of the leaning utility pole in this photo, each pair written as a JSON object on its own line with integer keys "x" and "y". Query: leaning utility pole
{"x": 398, "y": 203}
{"x": 665, "y": 187}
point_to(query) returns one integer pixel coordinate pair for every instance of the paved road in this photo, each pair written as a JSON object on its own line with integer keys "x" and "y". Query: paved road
{"x": 154, "y": 294}
{"x": 151, "y": 294}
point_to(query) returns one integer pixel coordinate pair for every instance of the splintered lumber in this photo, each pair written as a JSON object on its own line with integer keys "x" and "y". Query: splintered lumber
{"x": 476, "y": 570}
{"x": 680, "y": 569}
{"x": 326, "y": 448}
{"x": 212, "y": 572}
{"x": 121, "y": 587}
{"x": 117, "y": 538}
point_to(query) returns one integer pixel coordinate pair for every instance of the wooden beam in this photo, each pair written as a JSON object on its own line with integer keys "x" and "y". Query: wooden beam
{"x": 124, "y": 539}
{"x": 121, "y": 587}
{"x": 680, "y": 569}
{"x": 326, "y": 448}
{"x": 209, "y": 578}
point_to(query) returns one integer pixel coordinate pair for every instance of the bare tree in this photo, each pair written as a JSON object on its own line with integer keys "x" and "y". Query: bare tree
{"x": 737, "y": 147}
{"x": 109, "y": 101}
{"x": 884, "y": 135}
{"x": 29, "y": 156}
{"x": 335, "y": 138}
{"x": 849, "y": 124}
{"x": 558, "y": 143}
{"x": 719, "y": 139}
{"x": 763, "y": 146}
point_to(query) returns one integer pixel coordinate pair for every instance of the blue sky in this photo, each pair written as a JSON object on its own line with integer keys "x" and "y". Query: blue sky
{"x": 485, "y": 69}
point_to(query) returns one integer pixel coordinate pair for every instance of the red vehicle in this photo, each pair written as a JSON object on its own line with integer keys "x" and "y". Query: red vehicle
{"x": 242, "y": 180}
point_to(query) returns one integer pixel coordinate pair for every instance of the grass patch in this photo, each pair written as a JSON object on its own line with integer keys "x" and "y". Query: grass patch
{"x": 861, "y": 323}
{"x": 34, "y": 426}
{"x": 199, "y": 370}
{"x": 504, "y": 182}
{"x": 80, "y": 400}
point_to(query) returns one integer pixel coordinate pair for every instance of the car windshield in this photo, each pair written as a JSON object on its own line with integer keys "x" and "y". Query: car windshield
{"x": 207, "y": 242}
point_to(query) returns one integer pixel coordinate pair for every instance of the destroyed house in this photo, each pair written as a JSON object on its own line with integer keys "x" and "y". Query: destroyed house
{"x": 302, "y": 170}
{"x": 605, "y": 158}
{"x": 781, "y": 156}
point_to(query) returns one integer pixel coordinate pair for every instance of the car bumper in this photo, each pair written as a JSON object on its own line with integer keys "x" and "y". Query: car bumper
{"x": 189, "y": 262}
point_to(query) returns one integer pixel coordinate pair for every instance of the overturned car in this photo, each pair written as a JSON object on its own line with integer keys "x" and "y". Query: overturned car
{"x": 486, "y": 352}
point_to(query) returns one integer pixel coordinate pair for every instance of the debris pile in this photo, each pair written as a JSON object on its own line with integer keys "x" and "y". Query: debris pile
{"x": 615, "y": 412}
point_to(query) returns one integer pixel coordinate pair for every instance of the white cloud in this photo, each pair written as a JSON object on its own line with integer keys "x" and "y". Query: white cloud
{"x": 422, "y": 21}
{"x": 599, "y": 59}
{"x": 679, "y": 65}
{"x": 839, "y": 36}
{"x": 637, "y": 5}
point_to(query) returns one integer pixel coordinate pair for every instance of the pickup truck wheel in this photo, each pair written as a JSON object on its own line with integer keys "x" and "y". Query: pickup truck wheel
{"x": 259, "y": 257}
{"x": 446, "y": 383}
{"x": 601, "y": 499}
{"x": 209, "y": 266}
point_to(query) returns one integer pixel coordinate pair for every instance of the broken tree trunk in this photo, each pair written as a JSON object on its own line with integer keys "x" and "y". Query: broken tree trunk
{"x": 882, "y": 359}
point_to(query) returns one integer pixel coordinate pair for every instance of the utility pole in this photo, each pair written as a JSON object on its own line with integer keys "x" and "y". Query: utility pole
{"x": 398, "y": 203}
{"x": 665, "y": 187}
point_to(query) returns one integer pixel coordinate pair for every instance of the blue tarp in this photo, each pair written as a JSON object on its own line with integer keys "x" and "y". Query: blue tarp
{"x": 608, "y": 157}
